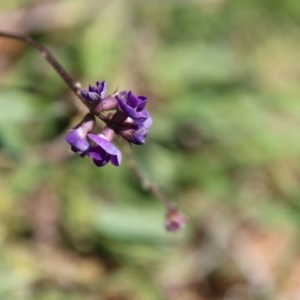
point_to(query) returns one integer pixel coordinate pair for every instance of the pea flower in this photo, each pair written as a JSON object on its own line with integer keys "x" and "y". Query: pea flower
{"x": 77, "y": 137}
{"x": 124, "y": 115}
{"x": 175, "y": 220}
{"x": 132, "y": 105}
{"x": 103, "y": 151}
{"x": 137, "y": 130}
{"x": 95, "y": 93}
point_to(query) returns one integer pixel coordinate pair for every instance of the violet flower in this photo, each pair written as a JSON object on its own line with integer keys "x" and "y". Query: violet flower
{"x": 140, "y": 134}
{"x": 175, "y": 220}
{"x": 103, "y": 151}
{"x": 137, "y": 120}
{"x": 132, "y": 105}
{"x": 136, "y": 131}
{"x": 123, "y": 113}
{"x": 95, "y": 93}
{"x": 77, "y": 136}
{"x": 97, "y": 100}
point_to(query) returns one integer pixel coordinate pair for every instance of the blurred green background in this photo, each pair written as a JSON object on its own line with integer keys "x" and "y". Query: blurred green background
{"x": 222, "y": 77}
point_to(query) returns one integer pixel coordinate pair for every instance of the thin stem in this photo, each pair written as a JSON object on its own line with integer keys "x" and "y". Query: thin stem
{"x": 75, "y": 86}
{"x": 174, "y": 219}
{"x": 145, "y": 182}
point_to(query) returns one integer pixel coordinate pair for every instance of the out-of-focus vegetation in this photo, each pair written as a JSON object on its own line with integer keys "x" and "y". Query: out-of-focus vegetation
{"x": 223, "y": 81}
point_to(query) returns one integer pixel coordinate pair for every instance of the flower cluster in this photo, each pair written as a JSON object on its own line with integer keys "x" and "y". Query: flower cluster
{"x": 124, "y": 115}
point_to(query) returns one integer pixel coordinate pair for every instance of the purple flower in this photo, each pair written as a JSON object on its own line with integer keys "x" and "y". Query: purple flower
{"x": 77, "y": 136}
{"x": 140, "y": 134}
{"x": 103, "y": 151}
{"x": 123, "y": 113}
{"x": 136, "y": 121}
{"x": 77, "y": 140}
{"x": 95, "y": 93}
{"x": 175, "y": 220}
{"x": 137, "y": 131}
{"x": 132, "y": 105}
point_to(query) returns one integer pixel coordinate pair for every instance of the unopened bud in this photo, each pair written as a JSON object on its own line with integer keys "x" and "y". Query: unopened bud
{"x": 175, "y": 220}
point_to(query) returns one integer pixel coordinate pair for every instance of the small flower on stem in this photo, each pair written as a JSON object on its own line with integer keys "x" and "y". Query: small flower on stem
{"x": 135, "y": 131}
{"x": 77, "y": 137}
{"x": 95, "y": 93}
{"x": 96, "y": 99}
{"x": 132, "y": 105}
{"x": 103, "y": 151}
{"x": 124, "y": 115}
{"x": 175, "y": 220}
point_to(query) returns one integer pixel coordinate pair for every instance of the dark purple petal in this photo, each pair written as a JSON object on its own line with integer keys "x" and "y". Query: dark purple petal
{"x": 132, "y": 100}
{"x": 95, "y": 93}
{"x": 99, "y": 156}
{"x": 102, "y": 88}
{"x": 132, "y": 105}
{"x": 142, "y": 103}
{"x": 92, "y": 89}
{"x": 137, "y": 102}
{"x": 131, "y": 112}
{"x": 114, "y": 154}
{"x": 138, "y": 139}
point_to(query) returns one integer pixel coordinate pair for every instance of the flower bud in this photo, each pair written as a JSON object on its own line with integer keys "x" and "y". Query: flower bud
{"x": 175, "y": 220}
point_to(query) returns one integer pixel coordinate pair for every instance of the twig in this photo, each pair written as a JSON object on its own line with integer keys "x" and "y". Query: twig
{"x": 75, "y": 86}
{"x": 145, "y": 182}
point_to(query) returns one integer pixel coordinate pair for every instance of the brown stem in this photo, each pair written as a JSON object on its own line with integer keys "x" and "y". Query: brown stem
{"x": 75, "y": 86}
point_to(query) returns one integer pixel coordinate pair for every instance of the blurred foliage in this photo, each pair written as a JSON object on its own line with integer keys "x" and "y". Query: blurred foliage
{"x": 222, "y": 77}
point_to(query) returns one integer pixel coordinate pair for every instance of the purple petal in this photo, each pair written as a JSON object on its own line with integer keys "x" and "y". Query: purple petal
{"x": 75, "y": 139}
{"x": 95, "y": 93}
{"x": 132, "y": 100}
{"x": 99, "y": 156}
{"x": 142, "y": 103}
{"x": 90, "y": 96}
{"x": 148, "y": 121}
{"x": 103, "y": 143}
{"x": 145, "y": 118}
{"x": 92, "y": 89}
{"x": 138, "y": 139}
{"x": 131, "y": 112}
{"x": 132, "y": 105}
{"x": 102, "y": 88}
{"x": 108, "y": 148}
{"x": 116, "y": 159}
{"x": 139, "y": 135}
